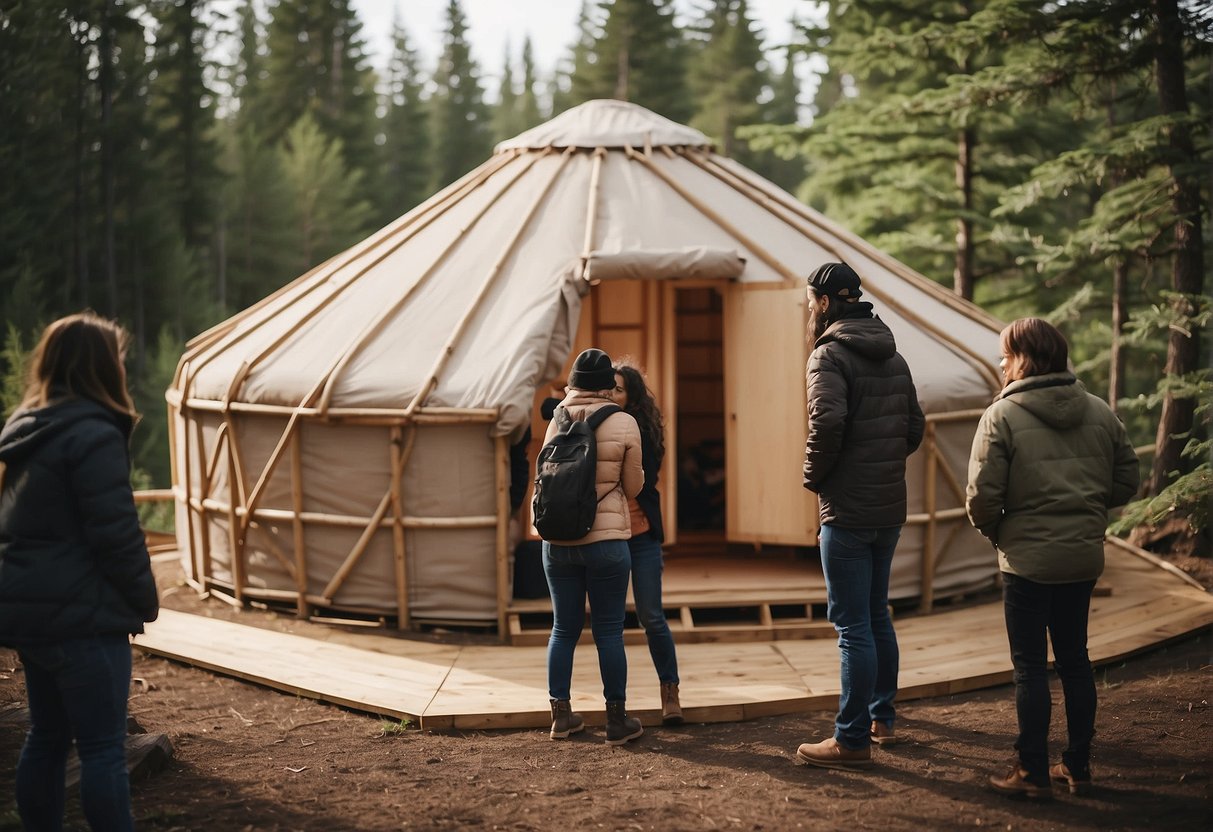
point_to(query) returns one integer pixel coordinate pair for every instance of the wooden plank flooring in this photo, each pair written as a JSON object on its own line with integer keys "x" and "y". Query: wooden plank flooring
{"x": 471, "y": 687}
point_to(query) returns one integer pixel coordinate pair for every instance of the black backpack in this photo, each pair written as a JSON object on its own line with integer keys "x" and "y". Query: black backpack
{"x": 566, "y": 492}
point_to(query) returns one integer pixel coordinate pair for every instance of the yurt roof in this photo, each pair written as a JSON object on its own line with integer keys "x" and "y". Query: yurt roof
{"x": 470, "y": 300}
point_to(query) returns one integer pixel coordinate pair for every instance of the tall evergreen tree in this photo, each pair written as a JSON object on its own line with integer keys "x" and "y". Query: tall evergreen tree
{"x": 329, "y": 212}
{"x": 778, "y": 161}
{"x": 459, "y": 119}
{"x": 256, "y": 251}
{"x": 248, "y": 70}
{"x": 405, "y": 169}
{"x": 528, "y": 100}
{"x": 569, "y": 86}
{"x": 46, "y": 135}
{"x": 181, "y": 111}
{"x": 638, "y": 55}
{"x": 729, "y": 76}
{"x": 316, "y": 63}
{"x": 506, "y": 120}
{"x": 920, "y": 183}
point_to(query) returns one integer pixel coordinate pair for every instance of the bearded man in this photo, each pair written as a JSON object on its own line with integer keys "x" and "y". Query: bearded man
{"x": 863, "y": 421}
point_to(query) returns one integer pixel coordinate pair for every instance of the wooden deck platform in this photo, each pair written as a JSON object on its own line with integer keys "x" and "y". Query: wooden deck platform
{"x": 713, "y": 599}
{"x": 439, "y": 686}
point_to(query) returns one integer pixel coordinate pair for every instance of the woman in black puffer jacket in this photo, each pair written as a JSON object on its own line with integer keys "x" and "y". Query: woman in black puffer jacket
{"x": 75, "y": 577}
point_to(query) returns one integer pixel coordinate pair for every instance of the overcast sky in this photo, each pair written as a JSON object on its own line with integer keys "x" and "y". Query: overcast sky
{"x": 551, "y": 25}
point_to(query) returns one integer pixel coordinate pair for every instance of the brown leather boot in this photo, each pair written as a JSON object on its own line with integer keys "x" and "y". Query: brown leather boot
{"x": 671, "y": 710}
{"x": 830, "y": 754}
{"x": 1016, "y": 784}
{"x": 882, "y": 734}
{"x": 1077, "y": 783}
{"x": 620, "y": 727}
{"x": 564, "y": 721}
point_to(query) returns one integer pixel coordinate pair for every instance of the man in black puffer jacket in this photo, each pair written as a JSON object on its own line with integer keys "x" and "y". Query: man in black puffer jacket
{"x": 864, "y": 420}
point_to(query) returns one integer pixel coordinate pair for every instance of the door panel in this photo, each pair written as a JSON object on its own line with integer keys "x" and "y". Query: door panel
{"x": 764, "y": 358}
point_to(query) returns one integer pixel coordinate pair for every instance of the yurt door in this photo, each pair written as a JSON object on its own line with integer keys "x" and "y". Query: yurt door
{"x": 764, "y": 364}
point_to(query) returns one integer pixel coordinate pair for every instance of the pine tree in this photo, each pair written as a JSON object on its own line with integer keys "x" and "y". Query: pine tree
{"x": 506, "y": 121}
{"x": 46, "y": 132}
{"x": 728, "y": 76}
{"x": 528, "y": 101}
{"x": 328, "y": 211}
{"x": 247, "y": 72}
{"x": 921, "y": 181}
{"x": 180, "y": 105}
{"x": 573, "y": 75}
{"x": 316, "y": 63}
{"x": 638, "y": 55}
{"x": 256, "y": 254}
{"x": 405, "y": 167}
{"x": 776, "y": 160}
{"x": 459, "y": 119}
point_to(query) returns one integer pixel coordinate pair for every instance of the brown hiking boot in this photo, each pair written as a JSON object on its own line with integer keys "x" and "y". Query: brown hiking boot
{"x": 1016, "y": 784}
{"x": 671, "y": 710}
{"x": 882, "y": 734}
{"x": 620, "y": 727}
{"x": 564, "y": 721}
{"x": 829, "y": 754}
{"x": 1078, "y": 785}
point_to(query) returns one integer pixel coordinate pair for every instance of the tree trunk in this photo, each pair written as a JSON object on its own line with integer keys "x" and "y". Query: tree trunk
{"x": 106, "y": 75}
{"x": 189, "y": 136}
{"x": 1187, "y": 262}
{"x": 1120, "y": 316}
{"x": 962, "y": 273}
{"x": 79, "y": 209}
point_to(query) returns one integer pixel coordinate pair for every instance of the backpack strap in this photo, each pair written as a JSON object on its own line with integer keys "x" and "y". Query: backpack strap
{"x": 600, "y": 415}
{"x": 597, "y": 418}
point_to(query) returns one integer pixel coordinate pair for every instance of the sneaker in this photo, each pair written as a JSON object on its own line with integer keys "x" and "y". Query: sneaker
{"x": 830, "y": 754}
{"x": 1016, "y": 784}
{"x": 882, "y": 734}
{"x": 1078, "y": 785}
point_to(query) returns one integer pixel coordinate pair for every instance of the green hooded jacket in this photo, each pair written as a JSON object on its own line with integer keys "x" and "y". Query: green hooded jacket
{"x": 1048, "y": 461}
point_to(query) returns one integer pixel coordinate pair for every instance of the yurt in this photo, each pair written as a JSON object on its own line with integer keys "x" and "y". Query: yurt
{"x": 344, "y": 445}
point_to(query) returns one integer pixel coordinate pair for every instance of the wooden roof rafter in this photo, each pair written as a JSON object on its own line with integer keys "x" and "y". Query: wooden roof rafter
{"x": 343, "y": 356}
{"x": 414, "y": 222}
{"x": 954, "y": 344}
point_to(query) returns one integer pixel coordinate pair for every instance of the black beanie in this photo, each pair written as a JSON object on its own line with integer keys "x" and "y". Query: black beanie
{"x": 837, "y": 280}
{"x": 592, "y": 371}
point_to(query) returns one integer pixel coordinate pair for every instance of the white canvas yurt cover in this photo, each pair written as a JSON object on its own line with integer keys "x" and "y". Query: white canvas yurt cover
{"x": 344, "y": 442}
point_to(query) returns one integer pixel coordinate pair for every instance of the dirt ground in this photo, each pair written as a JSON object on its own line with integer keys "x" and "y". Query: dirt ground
{"x": 249, "y": 758}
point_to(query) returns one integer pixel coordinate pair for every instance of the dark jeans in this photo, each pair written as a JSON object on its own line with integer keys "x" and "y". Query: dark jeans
{"x": 77, "y": 688}
{"x": 599, "y": 570}
{"x": 856, "y": 563}
{"x": 1061, "y": 610}
{"x": 647, "y": 566}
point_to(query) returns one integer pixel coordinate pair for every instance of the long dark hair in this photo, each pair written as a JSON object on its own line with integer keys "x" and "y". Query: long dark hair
{"x": 643, "y": 407}
{"x": 80, "y": 355}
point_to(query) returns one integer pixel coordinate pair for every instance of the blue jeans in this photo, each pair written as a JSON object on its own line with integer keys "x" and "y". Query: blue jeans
{"x": 856, "y": 563}
{"x": 647, "y": 567}
{"x": 600, "y": 570}
{"x": 1061, "y": 610}
{"x": 77, "y": 688}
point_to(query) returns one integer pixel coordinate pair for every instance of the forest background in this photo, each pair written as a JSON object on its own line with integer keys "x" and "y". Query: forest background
{"x": 169, "y": 162}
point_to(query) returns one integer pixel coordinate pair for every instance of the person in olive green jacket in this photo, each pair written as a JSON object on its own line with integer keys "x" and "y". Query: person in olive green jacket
{"x": 1048, "y": 461}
